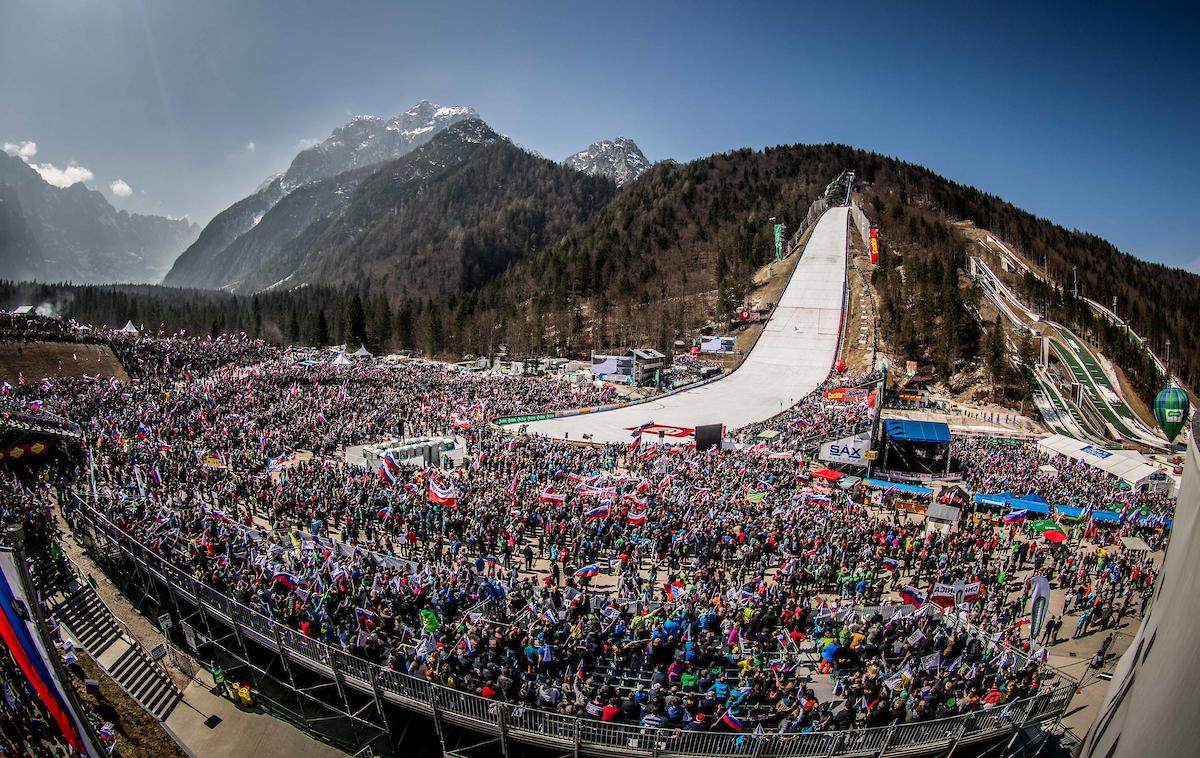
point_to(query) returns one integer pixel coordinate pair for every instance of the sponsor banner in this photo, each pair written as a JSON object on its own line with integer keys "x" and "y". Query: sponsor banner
{"x": 718, "y": 344}
{"x": 847, "y": 394}
{"x": 679, "y": 432}
{"x": 852, "y": 450}
{"x": 17, "y": 452}
{"x": 1041, "y": 605}
{"x": 604, "y": 364}
{"x": 528, "y": 418}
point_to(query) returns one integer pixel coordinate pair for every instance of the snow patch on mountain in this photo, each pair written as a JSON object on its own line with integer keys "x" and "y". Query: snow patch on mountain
{"x": 619, "y": 159}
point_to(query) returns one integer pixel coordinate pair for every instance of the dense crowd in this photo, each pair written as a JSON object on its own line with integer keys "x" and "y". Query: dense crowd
{"x": 1018, "y": 466}
{"x": 624, "y": 583}
{"x": 818, "y": 417}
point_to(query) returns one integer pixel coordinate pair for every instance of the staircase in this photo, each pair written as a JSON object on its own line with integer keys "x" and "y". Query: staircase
{"x": 145, "y": 682}
{"x": 92, "y": 625}
{"x": 89, "y": 621}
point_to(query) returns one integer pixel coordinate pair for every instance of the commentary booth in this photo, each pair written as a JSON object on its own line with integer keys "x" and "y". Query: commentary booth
{"x": 916, "y": 450}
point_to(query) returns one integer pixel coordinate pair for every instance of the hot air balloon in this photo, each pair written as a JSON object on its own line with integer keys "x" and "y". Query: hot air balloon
{"x": 1171, "y": 408}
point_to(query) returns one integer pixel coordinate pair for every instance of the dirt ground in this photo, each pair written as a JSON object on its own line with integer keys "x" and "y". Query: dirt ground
{"x": 138, "y": 734}
{"x": 50, "y": 359}
{"x": 860, "y": 324}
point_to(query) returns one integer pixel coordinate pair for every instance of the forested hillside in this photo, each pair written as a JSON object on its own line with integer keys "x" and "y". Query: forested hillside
{"x": 510, "y": 249}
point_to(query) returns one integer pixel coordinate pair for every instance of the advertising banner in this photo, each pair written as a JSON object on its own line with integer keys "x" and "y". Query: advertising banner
{"x": 778, "y": 241}
{"x": 1041, "y": 604}
{"x": 604, "y": 364}
{"x": 850, "y": 450}
{"x": 847, "y": 394}
{"x": 724, "y": 345}
{"x": 874, "y": 242}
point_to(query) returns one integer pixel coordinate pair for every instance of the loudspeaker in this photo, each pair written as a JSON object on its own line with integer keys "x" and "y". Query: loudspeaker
{"x": 709, "y": 435}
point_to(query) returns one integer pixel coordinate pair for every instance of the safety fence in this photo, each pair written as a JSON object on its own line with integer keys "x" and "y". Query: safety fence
{"x": 548, "y": 729}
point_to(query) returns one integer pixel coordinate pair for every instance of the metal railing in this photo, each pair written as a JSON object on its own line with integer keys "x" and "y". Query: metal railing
{"x": 534, "y": 726}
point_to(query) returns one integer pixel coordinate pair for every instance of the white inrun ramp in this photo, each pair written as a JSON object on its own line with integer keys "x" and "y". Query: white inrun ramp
{"x": 794, "y": 354}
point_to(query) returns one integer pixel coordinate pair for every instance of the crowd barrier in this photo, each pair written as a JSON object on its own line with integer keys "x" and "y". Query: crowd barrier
{"x": 547, "y": 729}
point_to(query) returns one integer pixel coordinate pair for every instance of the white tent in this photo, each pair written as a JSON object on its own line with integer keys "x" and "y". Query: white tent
{"x": 362, "y": 352}
{"x": 1127, "y": 465}
{"x": 129, "y": 329}
{"x": 340, "y": 360}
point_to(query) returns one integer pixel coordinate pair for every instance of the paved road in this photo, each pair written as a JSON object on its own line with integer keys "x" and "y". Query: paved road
{"x": 792, "y": 357}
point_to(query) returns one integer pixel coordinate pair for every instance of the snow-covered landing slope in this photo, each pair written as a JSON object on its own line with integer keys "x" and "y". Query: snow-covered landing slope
{"x": 794, "y": 354}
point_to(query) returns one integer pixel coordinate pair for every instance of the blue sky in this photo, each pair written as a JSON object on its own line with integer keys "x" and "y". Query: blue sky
{"x": 1085, "y": 115}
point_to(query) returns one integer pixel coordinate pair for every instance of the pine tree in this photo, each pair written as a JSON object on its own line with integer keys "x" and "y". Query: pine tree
{"x": 354, "y": 324}
{"x": 320, "y": 336}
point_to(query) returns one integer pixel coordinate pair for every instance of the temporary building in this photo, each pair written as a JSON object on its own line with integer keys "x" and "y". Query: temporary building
{"x": 128, "y": 329}
{"x": 341, "y": 360}
{"x": 362, "y": 352}
{"x": 1127, "y": 465}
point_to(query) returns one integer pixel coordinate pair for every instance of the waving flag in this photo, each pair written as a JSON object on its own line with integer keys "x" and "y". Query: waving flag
{"x": 1014, "y": 517}
{"x": 676, "y": 590}
{"x": 550, "y": 496}
{"x": 891, "y": 564}
{"x": 155, "y": 475}
{"x": 443, "y": 494}
{"x": 637, "y": 514}
{"x": 284, "y": 578}
{"x": 386, "y": 474}
{"x": 365, "y": 616}
{"x": 636, "y": 431}
{"x": 912, "y": 596}
{"x": 587, "y": 572}
{"x": 732, "y": 722}
{"x": 600, "y": 511}
{"x": 512, "y": 486}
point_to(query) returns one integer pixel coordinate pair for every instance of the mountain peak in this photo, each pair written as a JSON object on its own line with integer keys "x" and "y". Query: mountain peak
{"x": 620, "y": 159}
{"x": 366, "y": 140}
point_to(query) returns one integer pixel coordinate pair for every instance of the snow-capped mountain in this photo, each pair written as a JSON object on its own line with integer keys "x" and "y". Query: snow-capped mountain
{"x": 367, "y": 140}
{"x": 619, "y": 159}
{"x": 56, "y": 234}
{"x": 363, "y": 141}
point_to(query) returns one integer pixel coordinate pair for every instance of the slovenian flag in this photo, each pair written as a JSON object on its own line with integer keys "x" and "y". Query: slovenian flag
{"x": 443, "y": 494}
{"x": 600, "y": 511}
{"x": 676, "y": 590}
{"x": 512, "y": 486}
{"x": 548, "y": 616}
{"x": 384, "y": 512}
{"x": 912, "y": 596}
{"x": 365, "y": 616}
{"x": 587, "y": 572}
{"x": 284, "y": 578}
{"x": 165, "y": 447}
{"x": 732, "y": 722}
{"x": 636, "y": 432}
{"x": 1014, "y": 517}
{"x": 891, "y": 564}
{"x": 155, "y": 475}
{"x": 386, "y": 474}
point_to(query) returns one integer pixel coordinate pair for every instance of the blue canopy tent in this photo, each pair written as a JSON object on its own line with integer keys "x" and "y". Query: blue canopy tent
{"x": 911, "y": 489}
{"x": 1106, "y": 517}
{"x": 997, "y": 500}
{"x": 1068, "y": 511}
{"x": 1031, "y": 503}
